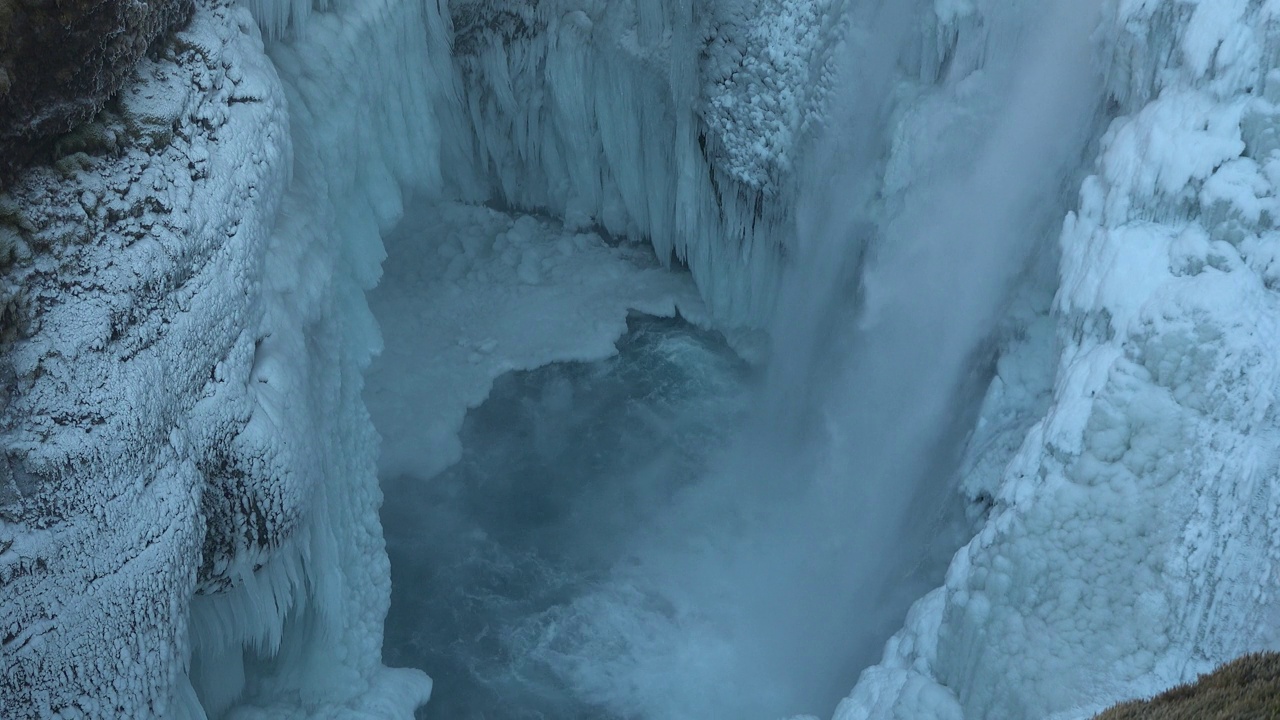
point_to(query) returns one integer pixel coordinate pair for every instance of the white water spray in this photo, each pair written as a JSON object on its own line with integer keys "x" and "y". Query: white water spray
{"x": 761, "y": 589}
{"x": 771, "y": 582}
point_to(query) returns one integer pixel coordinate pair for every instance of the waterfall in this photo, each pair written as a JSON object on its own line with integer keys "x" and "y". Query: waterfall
{"x": 781, "y": 573}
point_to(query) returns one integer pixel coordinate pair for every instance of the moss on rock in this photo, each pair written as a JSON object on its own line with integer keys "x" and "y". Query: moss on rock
{"x": 60, "y": 61}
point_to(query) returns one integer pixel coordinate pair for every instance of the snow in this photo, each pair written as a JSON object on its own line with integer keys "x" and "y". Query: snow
{"x": 594, "y": 112}
{"x": 769, "y": 69}
{"x": 497, "y": 293}
{"x": 1131, "y": 541}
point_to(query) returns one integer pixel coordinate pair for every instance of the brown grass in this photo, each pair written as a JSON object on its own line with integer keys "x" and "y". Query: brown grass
{"x": 1245, "y": 689}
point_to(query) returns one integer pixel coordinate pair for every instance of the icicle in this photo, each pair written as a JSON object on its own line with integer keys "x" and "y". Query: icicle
{"x": 372, "y": 97}
{"x": 621, "y": 144}
{"x": 276, "y": 17}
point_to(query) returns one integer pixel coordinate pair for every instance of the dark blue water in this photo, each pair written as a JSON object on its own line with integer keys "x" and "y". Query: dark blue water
{"x": 563, "y": 467}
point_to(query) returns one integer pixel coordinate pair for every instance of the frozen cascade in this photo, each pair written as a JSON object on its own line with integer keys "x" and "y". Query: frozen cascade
{"x": 624, "y": 115}
{"x": 343, "y": 195}
{"x": 720, "y": 607}
{"x": 189, "y": 498}
{"x": 1131, "y": 543}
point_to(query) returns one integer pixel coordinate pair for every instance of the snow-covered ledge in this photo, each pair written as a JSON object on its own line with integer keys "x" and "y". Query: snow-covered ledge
{"x": 189, "y": 498}
{"x": 187, "y": 491}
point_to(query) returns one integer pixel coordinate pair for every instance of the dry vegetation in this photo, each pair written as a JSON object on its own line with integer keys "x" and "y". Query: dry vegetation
{"x": 60, "y": 60}
{"x": 1244, "y": 689}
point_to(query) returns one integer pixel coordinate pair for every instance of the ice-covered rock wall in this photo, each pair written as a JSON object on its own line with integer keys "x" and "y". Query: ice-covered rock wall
{"x": 188, "y": 489}
{"x": 1131, "y": 542}
{"x": 187, "y": 494}
{"x": 676, "y": 121}
{"x": 128, "y": 359}
{"x": 364, "y": 83}
{"x": 61, "y": 62}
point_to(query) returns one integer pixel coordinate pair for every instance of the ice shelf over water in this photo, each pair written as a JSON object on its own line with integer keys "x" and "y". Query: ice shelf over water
{"x": 495, "y": 294}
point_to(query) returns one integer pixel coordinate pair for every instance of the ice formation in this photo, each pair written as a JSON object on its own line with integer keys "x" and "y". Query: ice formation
{"x": 496, "y": 294}
{"x": 673, "y": 121}
{"x": 188, "y": 488}
{"x": 1130, "y": 544}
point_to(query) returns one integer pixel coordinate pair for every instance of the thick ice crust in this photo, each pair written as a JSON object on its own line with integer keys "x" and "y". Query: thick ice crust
{"x": 187, "y": 486}
{"x": 1131, "y": 541}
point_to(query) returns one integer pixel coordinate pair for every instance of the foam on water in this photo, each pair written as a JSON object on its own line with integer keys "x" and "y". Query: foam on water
{"x": 668, "y": 569}
{"x": 562, "y": 466}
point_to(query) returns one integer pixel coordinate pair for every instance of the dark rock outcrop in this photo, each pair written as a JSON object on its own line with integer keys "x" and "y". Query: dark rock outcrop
{"x": 60, "y": 60}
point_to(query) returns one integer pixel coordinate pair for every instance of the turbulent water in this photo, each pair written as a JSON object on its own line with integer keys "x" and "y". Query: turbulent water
{"x": 562, "y": 468}
{"x": 615, "y": 543}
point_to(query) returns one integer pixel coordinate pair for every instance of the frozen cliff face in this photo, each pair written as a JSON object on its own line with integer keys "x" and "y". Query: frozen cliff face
{"x": 60, "y": 62}
{"x": 132, "y": 416}
{"x": 1132, "y": 541}
{"x": 188, "y": 493}
{"x": 676, "y": 121}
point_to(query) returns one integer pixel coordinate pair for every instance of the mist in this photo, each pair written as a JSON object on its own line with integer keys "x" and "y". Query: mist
{"x": 760, "y": 585}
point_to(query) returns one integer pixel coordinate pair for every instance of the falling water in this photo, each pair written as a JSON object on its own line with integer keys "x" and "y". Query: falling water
{"x": 761, "y": 587}
{"x": 781, "y": 574}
